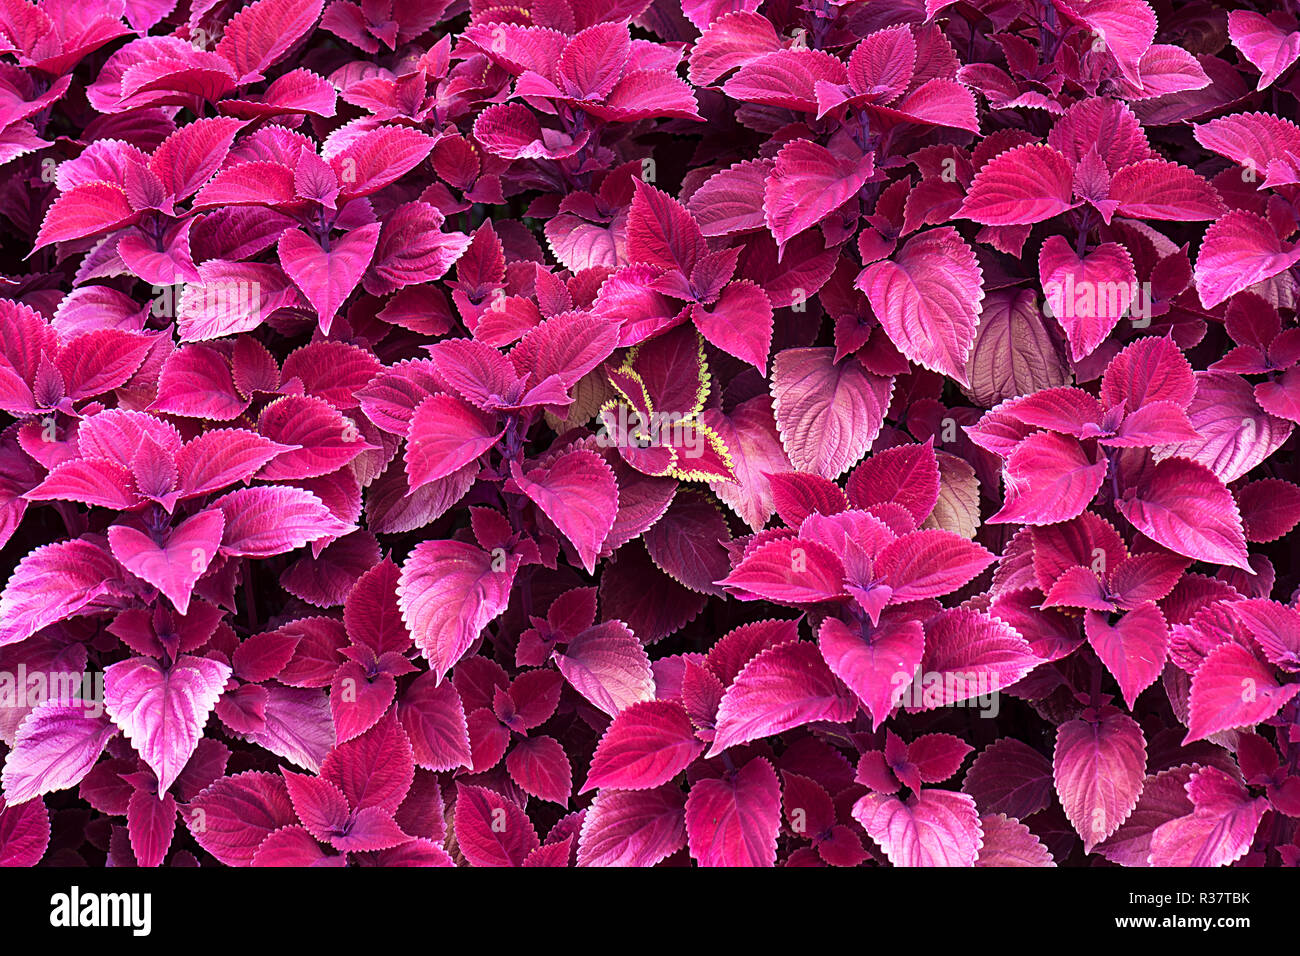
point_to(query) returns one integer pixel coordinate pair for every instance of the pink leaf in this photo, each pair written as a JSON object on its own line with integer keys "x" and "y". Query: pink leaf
{"x": 928, "y": 299}
{"x": 828, "y": 414}
{"x": 162, "y": 712}
{"x": 371, "y": 614}
{"x": 232, "y": 817}
{"x": 1098, "y": 768}
{"x": 327, "y": 276}
{"x": 731, "y": 200}
{"x": 1266, "y": 45}
{"x": 1023, "y": 185}
{"x": 906, "y": 475}
{"x": 1149, "y": 370}
{"x": 661, "y": 232}
{"x": 750, "y": 434}
{"x": 1231, "y": 689}
{"x": 593, "y": 60}
{"x": 645, "y": 746}
{"x": 1156, "y": 189}
{"x": 877, "y": 664}
{"x": 52, "y": 583}
{"x": 448, "y": 592}
{"x": 1086, "y": 296}
{"x": 373, "y": 770}
{"x": 434, "y": 720}
{"x": 608, "y": 666}
{"x": 1219, "y": 830}
{"x": 187, "y": 158}
{"x": 930, "y": 828}
{"x": 85, "y": 210}
{"x": 24, "y": 833}
{"x": 578, "y": 492}
{"x": 1133, "y": 648}
{"x": 175, "y": 565}
{"x": 783, "y": 687}
{"x": 968, "y": 655}
{"x": 54, "y": 749}
{"x": 358, "y": 700}
{"x": 1182, "y": 505}
{"x": 1238, "y": 251}
{"x": 739, "y": 323}
{"x": 223, "y": 456}
{"x": 151, "y": 823}
{"x": 491, "y": 830}
{"x": 326, "y": 439}
{"x": 931, "y": 563}
{"x": 541, "y": 768}
{"x": 1008, "y": 842}
{"x": 734, "y": 821}
{"x": 446, "y": 435}
{"x": 273, "y": 519}
{"x": 196, "y": 382}
{"x": 789, "y": 571}
{"x": 807, "y": 184}
{"x": 262, "y": 32}
{"x": 632, "y": 828}
{"x": 1049, "y": 478}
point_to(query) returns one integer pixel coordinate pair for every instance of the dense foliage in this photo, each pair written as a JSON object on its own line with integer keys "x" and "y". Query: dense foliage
{"x": 612, "y": 432}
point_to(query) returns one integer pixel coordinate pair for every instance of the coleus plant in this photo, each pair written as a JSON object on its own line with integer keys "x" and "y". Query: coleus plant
{"x": 636, "y": 433}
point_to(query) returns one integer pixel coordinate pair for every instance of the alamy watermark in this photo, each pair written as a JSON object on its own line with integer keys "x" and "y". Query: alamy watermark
{"x": 1085, "y": 299}
{"x": 29, "y": 689}
{"x": 947, "y": 689}
{"x": 631, "y": 429}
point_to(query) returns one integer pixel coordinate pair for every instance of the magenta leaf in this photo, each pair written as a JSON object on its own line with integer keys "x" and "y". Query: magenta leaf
{"x": 433, "y": 717}
{"x": 929, "y": 828}
{"x": 162, "y": 711}
{"x": 24, "y": 833}
{"x": 1182, "y": 505}
{"x": 448, "y": 592}
{"x": 876, "y": 663}
{"x": 541, "y": 768}
{"x": 1133, "y": 648}
{"x": 1023, "y": 185}
{"x": 1087, "y": 295}
{"x": 151, "y": 823}
{"x": 327, "y": 276}
{"x": 1098, "y": 769}
{"x": 491, "y": 830}
{"x": 928, "y": 300}
{"x": 55, "y": 747}
{"x": 783, "y": 687}
{"x": 1219, "y": 829}
{"x": 52, "y": 583}
{"x": 733, "y": 821}
{"x": 1232, "y": 688}
{"x": 232, "y": 817}
{"x": 632, "y": 828}
{"x": 174, "y": 565}
{"x": 446, "y": 435}
{"x": 1049, "y": 478}
{"x": 1010, "y": 777}
{"x": 578, "y": 492}
{"x": 827, "y": 413}
{"x": 1008, "y": 842}
{"x": 807, "y": 183}
{"x": 646, "y": 745}
{"x": 608, "y": 666}
{"x": 789, "y": 571}
{"x": 272, "y": 519}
